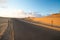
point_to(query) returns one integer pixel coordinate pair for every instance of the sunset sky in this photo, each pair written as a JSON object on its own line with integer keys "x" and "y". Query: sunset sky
{"x": 43, "y": 7}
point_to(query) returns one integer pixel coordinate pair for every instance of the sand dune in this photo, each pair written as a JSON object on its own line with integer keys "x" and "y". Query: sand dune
{"x": 52, "y": 19}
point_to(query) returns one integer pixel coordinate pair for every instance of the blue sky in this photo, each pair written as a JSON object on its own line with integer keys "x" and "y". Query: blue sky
{"x": 17, "y": 8}
{"x": 44, "y": 7}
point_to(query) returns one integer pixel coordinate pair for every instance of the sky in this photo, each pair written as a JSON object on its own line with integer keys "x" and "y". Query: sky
{"x": 39, "y": 7}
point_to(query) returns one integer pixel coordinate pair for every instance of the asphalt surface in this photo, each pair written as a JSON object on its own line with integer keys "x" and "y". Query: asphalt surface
{"x": 26, "y": 31}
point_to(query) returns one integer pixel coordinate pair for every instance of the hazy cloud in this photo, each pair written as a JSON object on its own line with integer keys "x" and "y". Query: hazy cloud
{"x": 15, "y": 13}
{"x": 12, "y": 13}
{"x": 3, "y": 3}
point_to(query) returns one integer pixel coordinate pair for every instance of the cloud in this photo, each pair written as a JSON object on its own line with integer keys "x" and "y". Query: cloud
{"x": 12, "y": 13}
{"x": 6, "y": 11}
{"x": 3, "y": 3}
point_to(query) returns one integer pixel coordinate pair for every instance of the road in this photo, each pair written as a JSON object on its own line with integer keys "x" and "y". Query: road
{"x": 26, "y": 31}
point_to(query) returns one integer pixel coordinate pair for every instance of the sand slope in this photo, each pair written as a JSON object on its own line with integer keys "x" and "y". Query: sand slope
{"x": 52, "y": 19}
